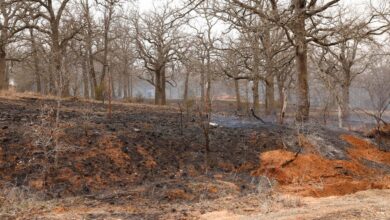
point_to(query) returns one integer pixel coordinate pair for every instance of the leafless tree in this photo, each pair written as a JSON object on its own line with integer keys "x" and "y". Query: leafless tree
{"x": 108, "y": 9}
{"x": 377, "y": 85}
{"x": 60, "y": 32}
{"x": 344, "y": 61}
{"x": 89, "y": 34}
{"x": 14, "y": 17}
{"x": 293, "y": 20}
{"x": 36, "y": 61}
{"x": 206, "y": 44}
{"x": 158, "y": 38}
{"x": 124, "y": 57}
{"x": 229, "y": 64}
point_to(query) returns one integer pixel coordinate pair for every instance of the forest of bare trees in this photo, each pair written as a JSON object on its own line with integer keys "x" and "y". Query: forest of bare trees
{"x": 194, "y": 109}
{"x": 269, "y": 55}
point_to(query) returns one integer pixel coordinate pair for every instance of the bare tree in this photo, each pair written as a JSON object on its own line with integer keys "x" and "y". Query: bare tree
{"x": 206, "y": 42}
{"x": 13, "y": 20}
{"x": 108, "y": 8}
{"x": 377, "y": 85}
{"x": 158, "y": 39}
{"x": 229, "y": 64}
{"x": 293, "y": 21}
{"x": 35, "y": 54}
{"x": 344, "y": 61}
{"x": 88, "y": 36}
{"x": 59, "y": 32}
{"x": 188, "y": 61}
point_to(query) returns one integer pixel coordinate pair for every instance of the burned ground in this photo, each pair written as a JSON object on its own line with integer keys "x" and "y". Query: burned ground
{"x": 142, "y": 157}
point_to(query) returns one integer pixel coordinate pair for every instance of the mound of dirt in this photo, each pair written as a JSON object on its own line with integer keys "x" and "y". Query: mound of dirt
{"x": 311, "y": 174}
{"x": 362, "y": 149}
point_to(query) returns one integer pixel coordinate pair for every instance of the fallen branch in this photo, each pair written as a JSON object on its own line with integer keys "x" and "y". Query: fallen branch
{"x": 293, "y": 159}
{"x": 377, "y": 118}
{"x": 257, "y": 117}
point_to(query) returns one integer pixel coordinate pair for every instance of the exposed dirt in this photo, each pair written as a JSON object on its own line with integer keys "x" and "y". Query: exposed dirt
{"x": 310, "y": 174}
{"x": 372, "y": 204}
{"x": 381, "y": 136}
{"x": 143, "y": 163}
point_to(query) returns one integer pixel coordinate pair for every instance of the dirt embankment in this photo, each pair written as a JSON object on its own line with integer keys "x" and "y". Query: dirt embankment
{"x": 310, "y": 174}
{"x": 88, "y": 152}
{"x": 144, "y": 154}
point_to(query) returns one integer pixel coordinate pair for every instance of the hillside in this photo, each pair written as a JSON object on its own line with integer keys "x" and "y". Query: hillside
{"x": 142, "y": 164}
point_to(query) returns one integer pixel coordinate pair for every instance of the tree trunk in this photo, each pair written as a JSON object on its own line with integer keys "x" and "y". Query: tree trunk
{"x": 255, "y": 73}
{"x": 269, "y": 67}
{"x": 208, "y": 91}
{"x": 91, "y": 68}
{"x": 57, "y": 70}
{"x": 3, "y": 53}
{"x": 105, "y": 50}
{"x": 112, "y": 86}
{"x": 202, "y": 85}
{"x": 185, "y": 94}
{"x": 88, "y": 43}
{"x": 163, "y": 88}
{"x": 66, "y": 82}
{"x": 345, "y": 102}
{"x": 247, "y": 96}
{"x": 270, "y": 95}
{"x": 130, "y": 85}
{"x": 280, "y": 91}
{"x": 64, "y": 73}
{"x": 85, "y": 79}
{"x": 283, "y": 99}
{"x": 44, "y": 84}
{"x": 238, "y": 95}
{"x": 92, "y": 73}
{"x": 340, "y": 115}
{"x": 37, "y": 73}
{"x": 3, "y": 70}
{"x": 255, "y": 95}
{"x": 157, "y": 89}
{"x": 92, "y": 86}
{"x": 208, "y": 86}
{"x": 51, "y": 89}
{"x": 125, "y": 80}
{"x": 57, "y": 60}
{"x": 301, "y": 62}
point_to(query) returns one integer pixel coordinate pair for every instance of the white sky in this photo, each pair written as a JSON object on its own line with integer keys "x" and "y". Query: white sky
{"x": 359, "y": 6}
{"x": 145, "y": 4}
{"x": 148, "y": 4}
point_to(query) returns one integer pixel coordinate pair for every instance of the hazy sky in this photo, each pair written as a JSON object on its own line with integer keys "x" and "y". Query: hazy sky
{"x": 359, "y": 6}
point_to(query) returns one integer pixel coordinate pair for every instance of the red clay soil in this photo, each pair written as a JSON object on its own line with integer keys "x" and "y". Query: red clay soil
{"x": 310, "y": 174}
{"x": 363, "y": 149}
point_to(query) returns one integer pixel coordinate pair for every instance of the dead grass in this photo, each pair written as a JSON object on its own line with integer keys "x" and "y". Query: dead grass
{"x": 13, "y": 95}
{"x": 21, "y": 202}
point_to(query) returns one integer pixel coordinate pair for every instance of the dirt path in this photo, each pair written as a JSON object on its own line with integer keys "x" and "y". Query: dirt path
{"x": 372, "y": 204}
